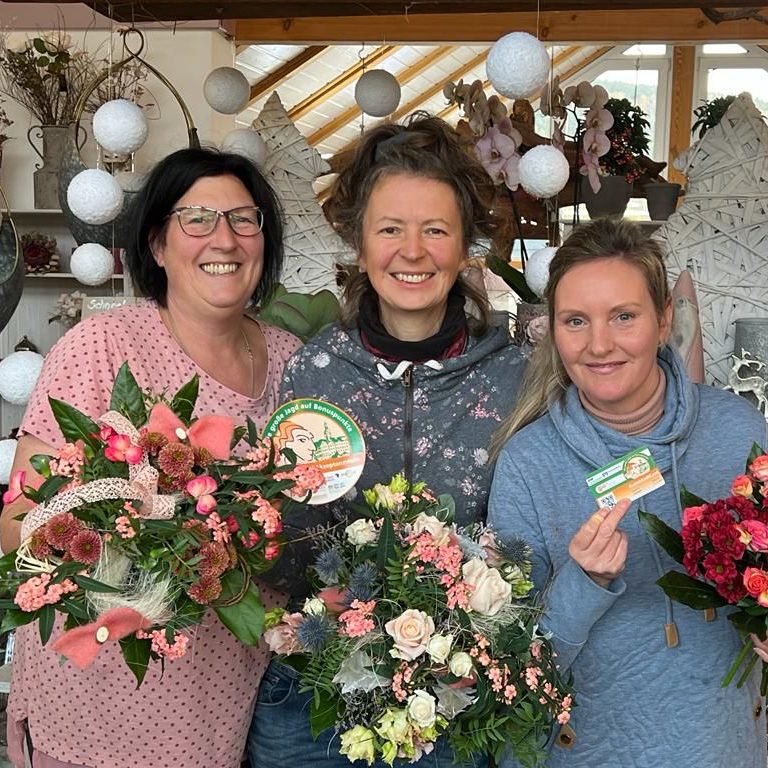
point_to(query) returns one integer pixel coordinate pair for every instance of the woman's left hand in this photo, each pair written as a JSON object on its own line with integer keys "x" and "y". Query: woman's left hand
{"x": 761, "y": 647}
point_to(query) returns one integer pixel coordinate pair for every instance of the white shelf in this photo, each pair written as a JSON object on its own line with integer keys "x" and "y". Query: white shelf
{"x": 65, "y": 276}
{"x": 36, "y": 212}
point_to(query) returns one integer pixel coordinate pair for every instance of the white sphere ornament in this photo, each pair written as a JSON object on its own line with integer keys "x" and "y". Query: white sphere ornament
{"x": 377, "y": 93}
{"x": 517, "y": 65}
{"x": 120, "y": 126}
{"x": 18, "y": 376}
{"x": 226, "y": 90}
{"x": 94, "y": 196}
{"x": 543, "y": 171}
{"x": 7, "y": 452}
{"x": 248, "y": 143}
{"x": 92, "y": 264}
{"x": 537, "y": 269}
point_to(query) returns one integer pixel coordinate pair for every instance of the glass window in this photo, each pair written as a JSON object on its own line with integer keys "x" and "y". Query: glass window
{"x": 727, "y": 81}
{"x": 709, "y": 49}
{"x": 646, "y": 50}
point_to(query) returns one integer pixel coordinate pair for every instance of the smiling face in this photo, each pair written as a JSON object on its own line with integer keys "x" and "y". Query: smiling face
{"x": 413, "y": 251}
{"x": 216, "y": 272}
{"x": 607, "y": 333}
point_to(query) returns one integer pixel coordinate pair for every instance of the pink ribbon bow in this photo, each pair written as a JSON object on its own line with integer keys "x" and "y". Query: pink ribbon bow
{"x": 214, "y": 433}
{"x": 81, "y": 645}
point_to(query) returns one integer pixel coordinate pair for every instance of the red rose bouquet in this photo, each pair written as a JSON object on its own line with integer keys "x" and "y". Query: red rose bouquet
{"x": 144, "y": 521}
{"x": 723, "y": 546}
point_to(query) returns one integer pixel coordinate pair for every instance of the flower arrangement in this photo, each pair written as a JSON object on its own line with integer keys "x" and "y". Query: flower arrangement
{"x": 68, "y": 309}
{"x": 40, "y": 252}
{"x": 723, "y": 546}
{"x": 628, "y": 139}
{"x": 5, "y": 124}
{"x": 422, "y": 629}
{"x": 144, "y": 521}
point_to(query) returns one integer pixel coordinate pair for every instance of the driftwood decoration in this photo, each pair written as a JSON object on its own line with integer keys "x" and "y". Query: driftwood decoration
{"x": 720, "y": 231}
{"x": 312, "y": 248}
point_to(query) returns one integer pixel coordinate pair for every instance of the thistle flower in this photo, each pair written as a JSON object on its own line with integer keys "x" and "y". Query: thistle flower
{"x": 313, "y": 633}
{"x": 517, "y": 551}
{"x": 329, "y": 565}
{"x": 364, "y": 581}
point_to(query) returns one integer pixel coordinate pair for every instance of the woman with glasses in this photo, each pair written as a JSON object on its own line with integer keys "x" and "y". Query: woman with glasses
{"x": 208, "y": 244}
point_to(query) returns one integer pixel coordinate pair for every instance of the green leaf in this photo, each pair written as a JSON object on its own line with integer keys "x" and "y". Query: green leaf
{"x": 689, "y": 591}
{"x": 8, "y": 562}
{"x": 667, "y": 538}
{"x": 322, "y": 712}
{"x": 40, "y": 462}
{"x": 753, "y": 454}
{"x": 127, "y": 397}
{"x": 16, "y": 618}
{"x": 39, "y": 45}
{"x": 74, "y": 424}
{"x": 387, "y": 546}
{"x": 183, "y": 403}
{"x": 688, "y": 499}
{"x": 47, "y": 489}
{"x": 47, "y": 617}
{"x": 253, "y": 432}
{"x": 91, "y": 585}
{"x": 237, "y": 436}
{"x": 244, "y": 619}
{"x": 136, "y": 654}
{"x": 513, "y": 278}
{"x": 303, "y": 314}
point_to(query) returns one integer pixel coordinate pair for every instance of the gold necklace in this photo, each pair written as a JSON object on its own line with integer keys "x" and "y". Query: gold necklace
{"x": 172, "y": 328}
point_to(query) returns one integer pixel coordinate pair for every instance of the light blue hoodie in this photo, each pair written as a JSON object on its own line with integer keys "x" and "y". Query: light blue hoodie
{"x": 638, "y": 702}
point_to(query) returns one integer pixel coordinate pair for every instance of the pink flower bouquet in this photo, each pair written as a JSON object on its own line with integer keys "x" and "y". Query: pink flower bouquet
{"x": 422, "y": 629}
{"x": 143, "y": 522}
{"x": 723, "y": 546}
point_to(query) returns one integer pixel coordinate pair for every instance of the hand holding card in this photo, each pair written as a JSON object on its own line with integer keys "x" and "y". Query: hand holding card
{"x": 599, "y": 547}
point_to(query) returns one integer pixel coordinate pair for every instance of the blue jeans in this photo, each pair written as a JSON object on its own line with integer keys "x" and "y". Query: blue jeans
{"x": 280, "y": 735}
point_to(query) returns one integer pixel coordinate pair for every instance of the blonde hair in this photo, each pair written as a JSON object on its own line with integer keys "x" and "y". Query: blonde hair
{"x": 546, "y": 380}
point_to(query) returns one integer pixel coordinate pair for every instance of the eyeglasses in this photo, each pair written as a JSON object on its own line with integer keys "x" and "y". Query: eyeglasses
{"x": 199, "y": 221}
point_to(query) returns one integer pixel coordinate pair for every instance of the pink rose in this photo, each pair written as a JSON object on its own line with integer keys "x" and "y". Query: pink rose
{"x": 436, "y": 528}
{"x": 756, "y": 584}
{"x": 336, "y": 600}
{"x": 754, "y": 534}
{"x": 488, "y": 541}
{"x": 490, "y": 592}
{"x": 281, "y": 638}
{"x": 693, "y": 513}
{"x": 741, "y": 486}
{"x": 411, "y": 631}
{"x": 201, "y": 486}
{"x": 759, "y": 468}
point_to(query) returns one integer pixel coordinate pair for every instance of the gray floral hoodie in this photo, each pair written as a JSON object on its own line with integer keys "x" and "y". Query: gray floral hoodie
{"x": 431, "y": 420}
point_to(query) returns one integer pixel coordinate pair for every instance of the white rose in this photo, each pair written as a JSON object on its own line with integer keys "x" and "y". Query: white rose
{"x": 437, "y": 529}
{"x": 411, "y": 631}
{"x": 421, "y": 709}
{"x": 461, "y": 664}
{"x": 490, "y": 592}
{"x": 361, "y": 532}
{"x": 438, "y": 647}
{"x": 313, "y": 606}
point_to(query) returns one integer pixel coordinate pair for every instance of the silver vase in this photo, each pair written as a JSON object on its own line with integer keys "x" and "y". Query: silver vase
{"x": 45, "y": 180}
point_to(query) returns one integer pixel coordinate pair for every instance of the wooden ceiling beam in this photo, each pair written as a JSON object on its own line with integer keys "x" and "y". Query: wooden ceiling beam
{"x": 668, "y": 25}
{"x": 402, "y": 77}
{"x": 305, "y": 106}
{"x": 273, "y": 79}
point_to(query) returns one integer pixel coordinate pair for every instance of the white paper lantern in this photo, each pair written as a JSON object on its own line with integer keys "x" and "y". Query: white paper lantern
{"x": 18, "y": 376}
{"x": 537, "y": 269}
{"x": 92, "y": 264}
{"x": 120, "y": 126}
{"x": 94, "y": 196}
{"x": 517, "y": 65}
{"x": 543, "y": 171}
{"x": 248, "y": 143}
{"x": 377, "y": 93}
{"x": 226, "y": 90}
{"x": 7, "y": 452}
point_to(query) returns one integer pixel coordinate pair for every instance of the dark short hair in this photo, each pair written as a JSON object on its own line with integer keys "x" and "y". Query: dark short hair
{"x": 166, "y": 184}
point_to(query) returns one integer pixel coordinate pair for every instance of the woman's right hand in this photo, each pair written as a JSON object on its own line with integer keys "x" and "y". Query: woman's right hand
{"x": 599, "y": 547}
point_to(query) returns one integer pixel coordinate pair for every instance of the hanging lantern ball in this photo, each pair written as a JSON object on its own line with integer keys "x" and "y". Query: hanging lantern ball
{"x": 226, "y": 90}
{"x": 248, "y": 143}
{"x": 94, "y": 196}
{"x": 377, "y": 93}
{"x": 537, "y": 269}
{"x": 7, "y": 452}
{"x": 18, "y": 376}
{"x": 517, "y": 65}
{"x": 543, "y": 171}
{"x": 92, "y": 264}
{"x": 120, "y": 126}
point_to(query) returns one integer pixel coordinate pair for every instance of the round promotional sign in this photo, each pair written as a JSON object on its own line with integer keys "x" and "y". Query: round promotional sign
{"x": 323, "y": 435}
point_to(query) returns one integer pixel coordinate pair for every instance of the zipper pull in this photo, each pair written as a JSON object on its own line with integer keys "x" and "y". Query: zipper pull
{"x": 408, "y": 377}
